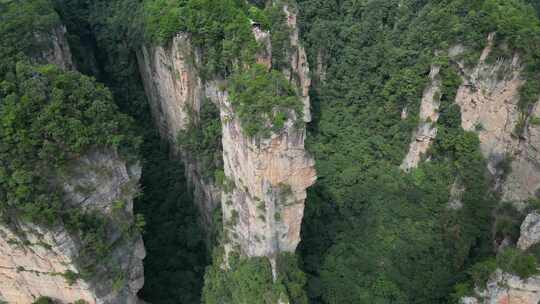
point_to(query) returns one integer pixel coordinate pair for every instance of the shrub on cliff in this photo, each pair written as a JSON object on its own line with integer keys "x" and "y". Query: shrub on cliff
{"x": 263, "y": 100}
{"x": 49, "y": 116}
{"x": 220, "y": 29}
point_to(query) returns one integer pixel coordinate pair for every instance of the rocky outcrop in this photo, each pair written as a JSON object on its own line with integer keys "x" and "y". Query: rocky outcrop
{"x": 489, "y": 99}
{"x": 38, "y": 261}
{"x": 55, "y": 48}
{"x": 265, "y": 190}
{"x": 504, "y": 288}
{"x": 176, "y": 91}
{"x": 529, "y": 231}
{"x": 298, "y": 69}
{"x": 426, "y": 132}
{"x": 507, "y": 288}
{"x": 523, "y": 180}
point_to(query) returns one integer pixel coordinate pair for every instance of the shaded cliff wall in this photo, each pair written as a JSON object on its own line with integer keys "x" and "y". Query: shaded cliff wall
{"x": 175, "y": 92}
{"x": 37, "y": 261}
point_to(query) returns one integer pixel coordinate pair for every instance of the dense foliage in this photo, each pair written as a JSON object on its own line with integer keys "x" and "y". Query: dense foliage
{"x": 263, "y": 100}
{"x": 176, "y": 251}
{"x": 220, "y": 29}
{"x": 249, "y": 280}
{"x": 373, "y": 234}
{"x": 24, "y": 28}
{"x": 202, "y": 139}
{"x": 107, "y": 33}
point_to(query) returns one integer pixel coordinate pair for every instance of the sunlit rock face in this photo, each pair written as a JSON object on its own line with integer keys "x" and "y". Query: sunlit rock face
{"x": 489, "y": 102}
{"x": 263, "y": 204}
{"x": 489, "y": 99}
{"x": 426, "y": 131}
{"x": 35, "y": 260}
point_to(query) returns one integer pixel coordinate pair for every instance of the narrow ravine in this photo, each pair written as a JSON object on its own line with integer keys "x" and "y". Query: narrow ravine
{"x": 174, "y": 239}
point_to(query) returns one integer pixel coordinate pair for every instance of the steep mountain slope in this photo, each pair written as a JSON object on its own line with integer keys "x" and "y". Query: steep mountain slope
{"x": 387, "y": 70}
{"x": 68, "y": 174}
{"x": 393, "y": 141}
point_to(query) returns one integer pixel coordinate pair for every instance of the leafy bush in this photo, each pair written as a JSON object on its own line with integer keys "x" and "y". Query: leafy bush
{"x": 222, "y": 29}
{"x": 202, "y": 139}
{"x": 49, "y": 117}
{"x": 24, "y": 28}
{"x": 249, "y": 280}
{"x": 262, "y": 100}
{"x": 482, "y": 271}
{"x": 43, "y": 300}
{"x": 515, "y": 261}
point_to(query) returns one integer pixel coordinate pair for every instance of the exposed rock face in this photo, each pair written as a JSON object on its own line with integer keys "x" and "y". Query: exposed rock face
{"x": 426, "y": 132}
{"x": 33, "y": 259}
{"x": 56, "y": 49}
{"x": 530, "y": 231}
{"x": 505, "y": 288}
{"x": 264, "y": 203}
{"x": 488, "y": 99}
{"x": 511, "y": 289}
{"x": 523, "y": 182}
{"x": 298, "y": 71}
{"x": 175, "y": 91}
{"x": 259, "y": 170}
{"x": 172, "y": 84}
{"x": 456, "y": 195}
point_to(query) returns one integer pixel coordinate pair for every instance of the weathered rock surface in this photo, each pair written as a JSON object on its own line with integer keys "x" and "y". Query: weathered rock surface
{"x": 262, "y": 172}
{"x": 504, "y": 288}
{"x": 55, "y": 49}
{"x": 488, "y": 99}
{"x": 33, "y": 259}
{"x": 426, "y": 132}
{"x": 530, "y": 231}
{"x": 298, "y": 70}
{"x": 523, "y": 181}
{"x": 268, "y": 178}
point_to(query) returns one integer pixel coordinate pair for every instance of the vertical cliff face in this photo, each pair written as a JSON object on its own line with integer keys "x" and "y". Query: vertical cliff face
{"x": 489, "y": 103}
{"x": 175, "y": 91}
{"x": 38, "y": 261}
{"x": 265, "y": 188}
{"x": 266, "y": 178}
{"x": 298, "y": 69}
{"x": 56, "y": 49}
{"x": 488, "y": 99}
{"x": 427, "y": 130}
{"x": 264, "y": 201}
